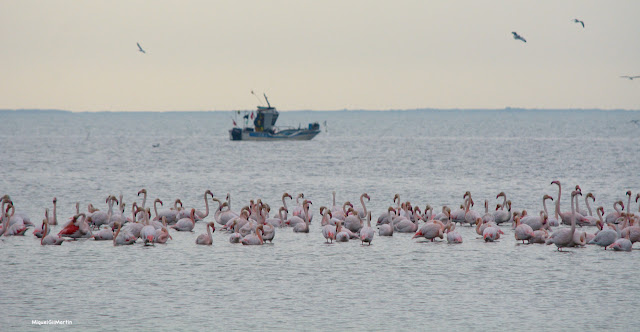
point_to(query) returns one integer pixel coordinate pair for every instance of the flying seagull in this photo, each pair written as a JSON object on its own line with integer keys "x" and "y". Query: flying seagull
{"x": 630, "y": 77}
{"x": 516, "y": 36}
{"x": 578, "y": 21}
{"x": 140, "y": 48}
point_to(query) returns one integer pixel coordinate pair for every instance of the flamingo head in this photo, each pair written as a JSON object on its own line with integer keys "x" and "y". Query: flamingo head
{"x": 501, "y": 194}
{"x": 556, "y": 182}
{"x": 55, "y": 200}
{"x": 142, "y": 191}
{"x": 629, "y": 193}
{"x": 367, "y": 197}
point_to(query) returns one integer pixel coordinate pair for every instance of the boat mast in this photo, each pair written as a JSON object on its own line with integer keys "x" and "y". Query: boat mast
{"x": 267, "y": 99}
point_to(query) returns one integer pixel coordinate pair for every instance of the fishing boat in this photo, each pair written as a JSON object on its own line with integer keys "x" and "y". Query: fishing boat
{"x": 264, "y": 127}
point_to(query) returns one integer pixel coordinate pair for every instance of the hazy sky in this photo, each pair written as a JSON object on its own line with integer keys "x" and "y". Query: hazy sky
{"x": 320, "y": 55}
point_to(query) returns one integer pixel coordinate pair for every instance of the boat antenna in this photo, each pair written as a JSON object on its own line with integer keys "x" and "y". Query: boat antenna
{"x": 253, "y": 93}
{"x": 265, "y": 98}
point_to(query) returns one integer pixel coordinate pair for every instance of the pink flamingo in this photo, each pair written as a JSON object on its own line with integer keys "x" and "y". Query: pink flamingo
{"x": 162, "y": 234}
{"x": 207, "y": 239}
{"x": 563, "y": 238}
{"x": 328, "y": 230}
{"x": 621, "y": 244}
{"x": 303, "y": 227}
{"x": 278, "y": 222}
{"x": 49, "y": 239}
{"x": 341, "y": 235}
{"x": 552, "y": 221}
{"x": 362, "y": 212}
{"x": 367, "y": 233}
{"x": 76, "y": 228}
{"x": 539, "y": 236}
{"x": 186, "y": 224}
{"x": 122, "y": 237}
{"x": 523, "y": 232}
{"x": 386, "y": 229}
{"x": 254, "y": 239}
{"x": 38, "y": 232}
{"x": 453, "y": 237}
{"x": 148, "y": 232}
{"x": 567, "y": 217}
{"x": 502, "y": 215}
{"x": 53, "y": 220}
{"x": 613, "y": 216}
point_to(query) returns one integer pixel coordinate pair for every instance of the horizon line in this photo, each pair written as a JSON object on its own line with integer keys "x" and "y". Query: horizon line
{"x": 54, "y": 110}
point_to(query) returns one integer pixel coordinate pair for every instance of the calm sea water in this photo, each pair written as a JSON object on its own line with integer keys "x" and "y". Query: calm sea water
{"x": 299, "y": 282}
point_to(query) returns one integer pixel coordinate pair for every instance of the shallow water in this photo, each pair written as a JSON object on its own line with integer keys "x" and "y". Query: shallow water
{"x": 300, "y": 282}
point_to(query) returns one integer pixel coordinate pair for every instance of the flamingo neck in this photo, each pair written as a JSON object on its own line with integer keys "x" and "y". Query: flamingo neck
{"x": 206, "y": 204}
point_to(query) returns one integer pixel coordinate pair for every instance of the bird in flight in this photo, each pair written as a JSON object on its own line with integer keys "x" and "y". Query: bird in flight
{"x": 630, "y": 77}
{"x": 516, "y": 36}
{"x": 578, "y": 21}
{"x": 140, "y": 48}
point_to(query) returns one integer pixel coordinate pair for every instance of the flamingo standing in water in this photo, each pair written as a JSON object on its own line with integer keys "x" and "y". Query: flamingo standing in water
{"x": 39, "y": 232}
{"x": 144, "y": 202}
{"x": 563, "y": 238}
{"x": 621, "y": 244}
{"x": 278, "y": 222}
{"x": 367, "y": 233}
{"x": 523, "y": 232}
{"x": 303, "y": 227}
{"x": 613, "y": 216}
{"x": 162, "y": 234}
{"x": 53, "y": 220}
{"x": 453, "y": 236}
{"x": 328, "y": 230}
{"x": 255, "y": 238}
{"x": 148, "y": 232}
{"x": 502, "y": 215}
{"x": 431, "y": 230}
{"x": 386, "y": 229}
{"x": 49, "y": 239}
{"x": 362, "y": 212}
{"x": 170, "y": 215}
{"x": 341, "y": 235}
{"x": 186, "y": 224}
{"x": 552, "y": 221}
{"x": 77, "y": 228}
{"x": 567, "y": 217}
{"x": 207, "y": 239}
{"x": 123, "y": 237}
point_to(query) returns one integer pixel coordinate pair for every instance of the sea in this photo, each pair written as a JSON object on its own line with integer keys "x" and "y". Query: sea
{"x": 301, "y": 283}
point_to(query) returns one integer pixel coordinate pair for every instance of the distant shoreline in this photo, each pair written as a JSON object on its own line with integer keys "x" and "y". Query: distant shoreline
{"x": 507, "y": 109}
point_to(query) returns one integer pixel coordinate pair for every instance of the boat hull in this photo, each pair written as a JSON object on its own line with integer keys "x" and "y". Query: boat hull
{"x": 237, "y": 134}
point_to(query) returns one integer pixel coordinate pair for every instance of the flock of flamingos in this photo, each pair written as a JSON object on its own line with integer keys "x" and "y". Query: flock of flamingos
{"x": 253, "y": 225}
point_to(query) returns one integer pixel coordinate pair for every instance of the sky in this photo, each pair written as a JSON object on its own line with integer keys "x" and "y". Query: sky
{"x": 318, "y": 55}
